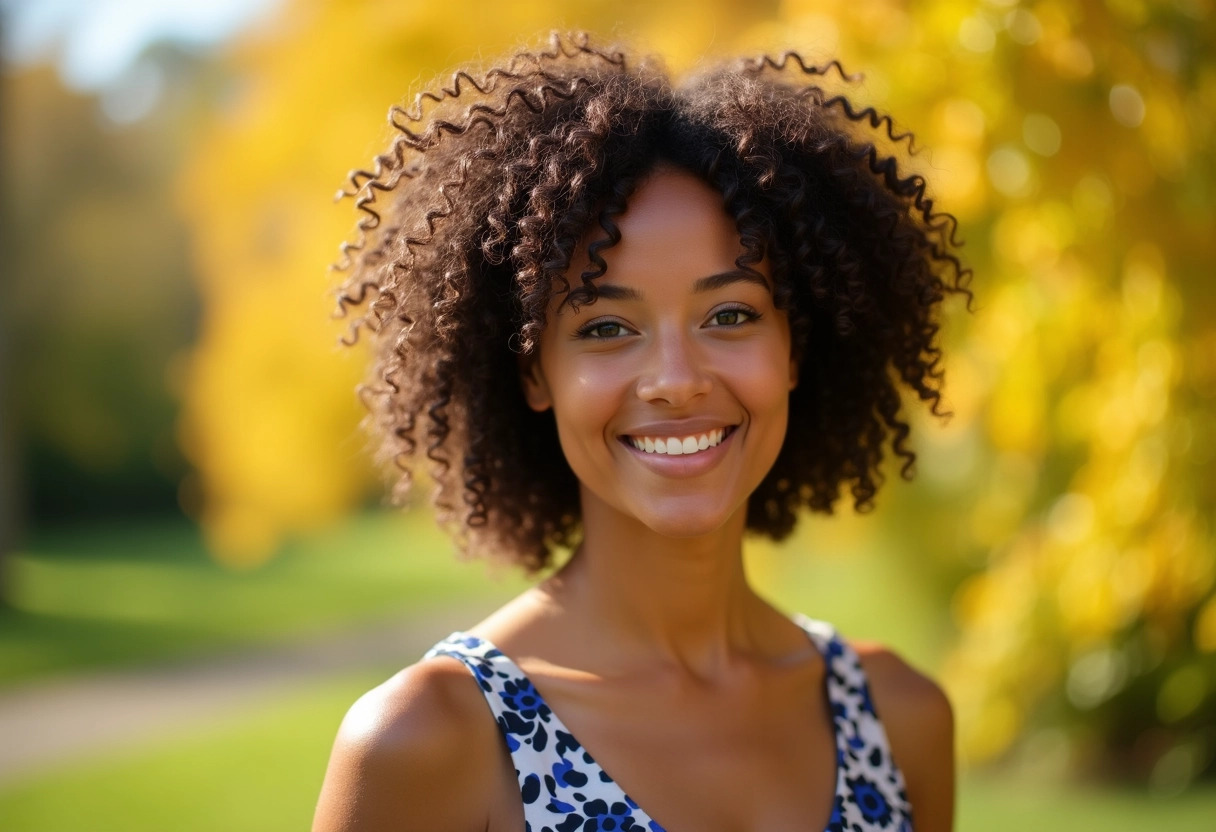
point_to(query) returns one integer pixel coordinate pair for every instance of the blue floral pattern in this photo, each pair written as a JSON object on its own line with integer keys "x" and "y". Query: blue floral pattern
{"x": 870, "y": 791}
{"x": 564, "y": 789}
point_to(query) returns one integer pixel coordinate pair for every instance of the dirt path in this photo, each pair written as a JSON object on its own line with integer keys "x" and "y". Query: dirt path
{"x": 44, "y": 724}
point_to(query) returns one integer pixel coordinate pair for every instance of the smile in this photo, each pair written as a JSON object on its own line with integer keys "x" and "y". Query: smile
{"x": 680, "y": 445}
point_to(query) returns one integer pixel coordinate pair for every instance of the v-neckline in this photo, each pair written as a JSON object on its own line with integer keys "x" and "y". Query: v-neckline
{"x": 819, "y": 633}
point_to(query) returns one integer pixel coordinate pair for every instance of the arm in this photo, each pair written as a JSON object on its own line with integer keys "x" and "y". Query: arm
{"x": 920, "y": 726}
{"x": 420, "y": 752}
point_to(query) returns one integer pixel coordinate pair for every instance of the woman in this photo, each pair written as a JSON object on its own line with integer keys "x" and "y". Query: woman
{"x": 635, "y": 321}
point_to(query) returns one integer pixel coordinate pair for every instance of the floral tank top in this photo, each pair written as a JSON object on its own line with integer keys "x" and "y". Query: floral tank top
{"x": 565, "y": 790}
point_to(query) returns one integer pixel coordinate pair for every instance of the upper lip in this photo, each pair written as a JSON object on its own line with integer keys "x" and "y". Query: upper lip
{"x": 682, "y": 427}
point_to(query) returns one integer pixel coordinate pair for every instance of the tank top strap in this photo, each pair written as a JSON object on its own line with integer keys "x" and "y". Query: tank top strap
{"x": 562, "y": 786}
{"x": 526, "y": 721}
{"x": 871, "y": 788}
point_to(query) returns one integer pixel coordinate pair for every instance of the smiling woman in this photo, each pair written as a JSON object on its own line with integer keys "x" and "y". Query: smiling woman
{"x": 670, "y": 392}
{"x": 639, "y": 320}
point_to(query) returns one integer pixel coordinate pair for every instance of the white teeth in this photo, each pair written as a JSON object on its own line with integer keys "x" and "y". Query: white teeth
{"x": 675, "y": 446}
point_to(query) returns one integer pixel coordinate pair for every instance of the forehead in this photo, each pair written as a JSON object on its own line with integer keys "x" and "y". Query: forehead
{"x": 674, "y": 224}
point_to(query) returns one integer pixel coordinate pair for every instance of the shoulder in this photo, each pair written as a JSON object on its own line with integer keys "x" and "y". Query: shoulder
{"x": 432, "y": 709}
{"x": 907, "y": 700}
{"x": 919, "y": 723}
{"x": 414, "y": 753}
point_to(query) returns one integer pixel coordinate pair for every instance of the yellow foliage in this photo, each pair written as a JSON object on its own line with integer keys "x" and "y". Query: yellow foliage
{"x": 1205, "y": 627}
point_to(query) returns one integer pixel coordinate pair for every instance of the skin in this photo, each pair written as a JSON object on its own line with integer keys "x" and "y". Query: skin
{"x": 700, "y": 699}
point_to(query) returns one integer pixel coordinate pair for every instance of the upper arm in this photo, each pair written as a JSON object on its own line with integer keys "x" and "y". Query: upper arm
{"x": 418, "y": 752}
{"x": 919, "y": 722}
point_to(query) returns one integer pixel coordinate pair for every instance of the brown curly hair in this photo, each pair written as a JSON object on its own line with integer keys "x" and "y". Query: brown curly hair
{"x": 471, "y": 219}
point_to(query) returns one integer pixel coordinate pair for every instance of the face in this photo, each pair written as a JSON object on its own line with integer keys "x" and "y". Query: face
{"x": 670, "y": 391}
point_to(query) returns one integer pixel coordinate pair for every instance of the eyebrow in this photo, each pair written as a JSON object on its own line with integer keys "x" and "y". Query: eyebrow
{"x": 609, "y": 291}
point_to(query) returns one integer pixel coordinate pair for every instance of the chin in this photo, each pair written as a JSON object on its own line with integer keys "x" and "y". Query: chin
{"x": 683, "y": 522}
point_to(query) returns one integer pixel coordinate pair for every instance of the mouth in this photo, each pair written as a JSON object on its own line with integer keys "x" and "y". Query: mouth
{"x": 680, "y": 445}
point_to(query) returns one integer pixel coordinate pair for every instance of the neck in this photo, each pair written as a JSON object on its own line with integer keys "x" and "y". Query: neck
{"x": 678, "y": 602}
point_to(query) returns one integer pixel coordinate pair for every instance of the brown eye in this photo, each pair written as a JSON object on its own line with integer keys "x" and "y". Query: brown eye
{"x": 606, "y": 330}
{"x": 601, "y": 330}
{"x": 728, "y": 317}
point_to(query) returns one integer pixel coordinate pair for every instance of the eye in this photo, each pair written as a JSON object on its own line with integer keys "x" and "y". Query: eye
{"x": 601, "y": 329}
{"x": 733, "y": 316}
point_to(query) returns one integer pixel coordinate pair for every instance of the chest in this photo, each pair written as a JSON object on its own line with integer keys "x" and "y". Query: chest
{"x": 757, "y": 756}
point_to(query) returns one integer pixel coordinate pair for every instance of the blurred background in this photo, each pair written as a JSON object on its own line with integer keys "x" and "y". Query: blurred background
{"x": 197, "y": 577}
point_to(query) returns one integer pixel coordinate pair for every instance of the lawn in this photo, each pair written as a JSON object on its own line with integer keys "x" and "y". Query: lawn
{"x": 93, "y": 597}
{"x": 125, "y": 594}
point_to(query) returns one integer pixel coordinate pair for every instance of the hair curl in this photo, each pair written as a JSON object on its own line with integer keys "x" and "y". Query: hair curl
{"x": 471, "y": 219}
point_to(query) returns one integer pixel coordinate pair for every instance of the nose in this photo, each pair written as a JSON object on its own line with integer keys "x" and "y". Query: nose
{"x": 674, "y": 371}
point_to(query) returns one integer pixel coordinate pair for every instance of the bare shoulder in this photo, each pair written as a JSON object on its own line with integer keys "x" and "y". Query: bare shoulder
{"x": 421, "y": 751}
{"x": 919, "y": 722}
{"x": 907, "y": 700}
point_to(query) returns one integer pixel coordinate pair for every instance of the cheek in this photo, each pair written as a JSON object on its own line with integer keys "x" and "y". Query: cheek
{"x": 766, "y": 396}
{"x": 584, "y": 402}
{"x": 762, "y": 375}
{"x": 767, "y": 400}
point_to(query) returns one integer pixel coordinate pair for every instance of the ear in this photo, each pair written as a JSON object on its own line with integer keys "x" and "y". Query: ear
{"x": 794, "y": 367}
{"x": 536, "y": 387}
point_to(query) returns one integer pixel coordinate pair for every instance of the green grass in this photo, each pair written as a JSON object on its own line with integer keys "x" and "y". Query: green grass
{"x": 261, "y": 770}
{"x": 988, "y": 804}
{"x": 129, "y": 594}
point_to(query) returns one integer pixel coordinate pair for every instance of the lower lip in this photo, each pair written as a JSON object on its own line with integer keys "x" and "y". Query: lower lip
{"x": 682, "y": 465}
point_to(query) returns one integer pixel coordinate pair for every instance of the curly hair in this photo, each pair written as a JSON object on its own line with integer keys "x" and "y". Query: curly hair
{"x": 471, "y": 219}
